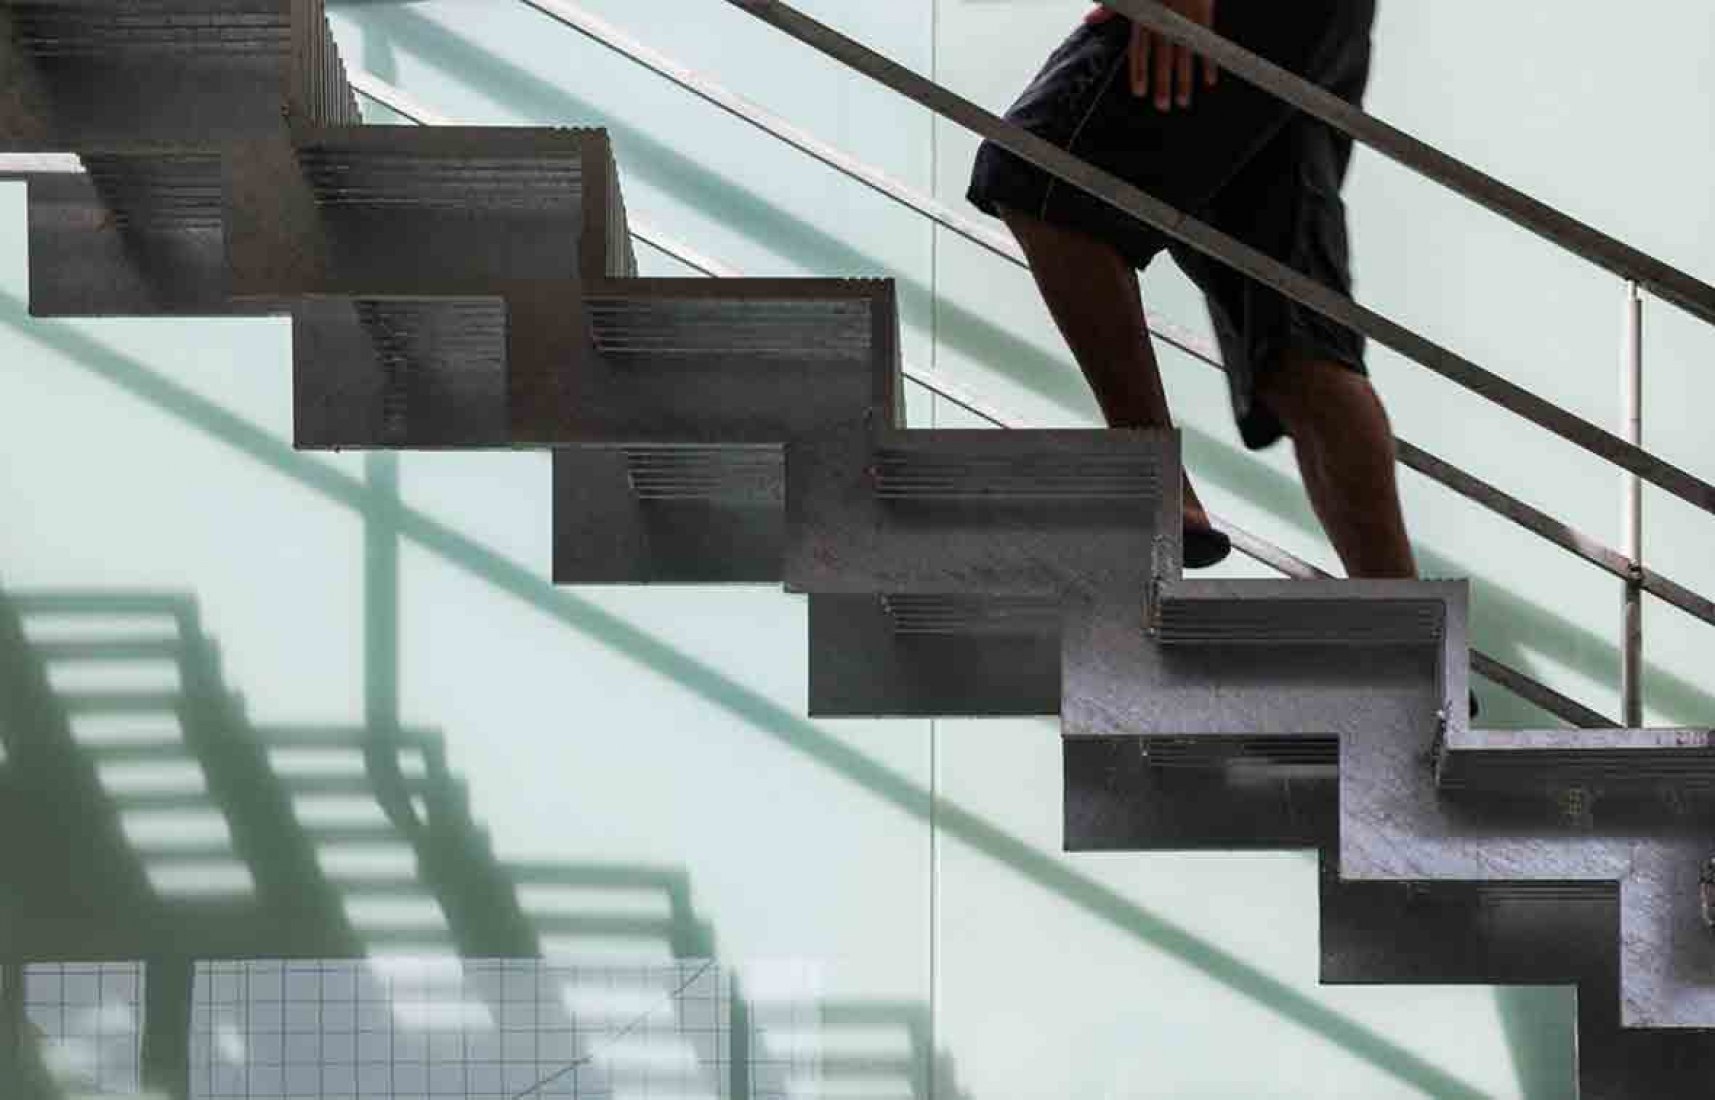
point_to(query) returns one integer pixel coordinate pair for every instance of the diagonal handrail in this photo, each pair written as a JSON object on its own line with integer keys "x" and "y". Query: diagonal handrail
{"x": 1252, "y": 546}
{"x": 606, "y": 34}
{"x": 1231, "y": 252}
{"x": 1666, "y": 282}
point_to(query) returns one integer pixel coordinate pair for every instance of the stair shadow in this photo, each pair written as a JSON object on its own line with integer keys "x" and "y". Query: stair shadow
{"x": 484, "y": 902}
{"x": 792, "y": 732}
{"x": 1511, "y": 629}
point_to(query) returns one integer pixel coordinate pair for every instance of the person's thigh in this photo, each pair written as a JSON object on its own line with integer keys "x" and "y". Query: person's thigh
{"x": 1082, "y": 102}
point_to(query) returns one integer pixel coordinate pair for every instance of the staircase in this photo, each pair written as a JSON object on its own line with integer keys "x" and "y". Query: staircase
{"x": 475, "y": 288}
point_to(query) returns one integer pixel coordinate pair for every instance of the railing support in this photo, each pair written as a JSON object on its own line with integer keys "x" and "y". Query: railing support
{"x": 1632, "y": 513}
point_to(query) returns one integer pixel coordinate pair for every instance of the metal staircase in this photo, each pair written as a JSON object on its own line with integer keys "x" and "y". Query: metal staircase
{"x": 475, "y": 287}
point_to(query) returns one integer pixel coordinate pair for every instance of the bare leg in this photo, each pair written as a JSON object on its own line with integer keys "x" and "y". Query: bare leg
{"x": 1093, "y": 295}
{"x": 1346, "y": 453}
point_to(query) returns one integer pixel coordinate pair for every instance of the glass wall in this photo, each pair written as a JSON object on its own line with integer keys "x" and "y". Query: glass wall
{"x": 623, "y": 780}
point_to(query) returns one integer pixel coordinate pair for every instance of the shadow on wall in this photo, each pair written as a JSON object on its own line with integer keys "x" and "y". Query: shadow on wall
{"x": 276, "y": 880}
{"x": 1510, "y": 629}
{"x": 454, "y": 882}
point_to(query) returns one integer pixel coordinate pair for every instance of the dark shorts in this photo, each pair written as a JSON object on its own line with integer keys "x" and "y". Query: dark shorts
{"x": 1239, "y": 159}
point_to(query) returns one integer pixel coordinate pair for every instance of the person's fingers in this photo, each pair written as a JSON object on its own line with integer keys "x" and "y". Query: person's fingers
{"x": 1162, "y": 74}
{"x": 1185, "y": 70}
{"x": 1211, "y": 73}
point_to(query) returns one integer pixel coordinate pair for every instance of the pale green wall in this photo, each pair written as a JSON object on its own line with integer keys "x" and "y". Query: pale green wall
{"x": 915, "y": 862}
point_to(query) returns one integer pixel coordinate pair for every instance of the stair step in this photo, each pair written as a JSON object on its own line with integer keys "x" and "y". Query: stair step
{"x": 466, "y": 168}
{"x": 932, "y": 474}
{"x": 705, "y": 362}
{"x": 399, "y": 372}
{"x": 159, "y": 192}
{"x": 993, "y": 467}
{"x": 153, "y": 73}
{"x": 377, "y": 211}
{"x": 933, "y": 655}
{"x": 53, "y": 28}
{"x": 934, "y": 615}
{"x": 739, "y": 323}
{"x": 989, "y": 513}
{"x": 1298, "y": 613}
{"x": 1546, "y": 761}
{"x": 1241, "y": 752}
{"x": 681, "y": 515}
{"x": 735, "y": 475}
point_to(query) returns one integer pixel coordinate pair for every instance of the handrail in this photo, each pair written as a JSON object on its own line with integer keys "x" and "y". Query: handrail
{"x": 1472, "y": 488}
{"x": 1666, "y": 282}
{"x": 1252, "y": 546}
{"x": 605, "y": 34}
{"x": 1231, "y": 252}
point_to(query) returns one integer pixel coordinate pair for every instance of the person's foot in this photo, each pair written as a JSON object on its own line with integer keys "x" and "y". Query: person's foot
{"x": 1202, "y": 545}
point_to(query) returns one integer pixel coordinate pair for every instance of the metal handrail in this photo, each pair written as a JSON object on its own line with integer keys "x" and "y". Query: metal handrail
{"x": 1664, "y": 281}
{"x": 1471, "y": 487}
{"x": 1249, "y": 261}
{"x": 605, "y": 34}
{"x": 1252, "y": 546}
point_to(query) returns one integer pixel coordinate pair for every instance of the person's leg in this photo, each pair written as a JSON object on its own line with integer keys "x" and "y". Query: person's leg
{"x": 1092, "y": 292}
{"x": 1346, "y": 453}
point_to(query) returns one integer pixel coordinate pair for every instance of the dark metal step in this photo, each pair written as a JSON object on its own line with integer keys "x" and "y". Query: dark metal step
{"x": 1298, "y": 613}
{"x": 130, "y": 75}
{"x": 703, "y": 362}
{"x": 399, "y": 372}
{"x": 928, "y": 655}
{"x": 1596, "y": 762}
{"x": 388, "y": 210}
{"x": 1016, "y": 513}
{"x": 669, "y": 515}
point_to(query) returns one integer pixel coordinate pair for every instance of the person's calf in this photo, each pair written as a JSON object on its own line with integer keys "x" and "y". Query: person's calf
{"x": 1346, "y": 453}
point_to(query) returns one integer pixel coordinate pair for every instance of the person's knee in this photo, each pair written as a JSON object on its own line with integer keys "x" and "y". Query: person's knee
{"x": 1311, "y": 396}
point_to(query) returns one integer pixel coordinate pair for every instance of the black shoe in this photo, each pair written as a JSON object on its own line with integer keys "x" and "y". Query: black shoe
{"x": 1205, "y": 546}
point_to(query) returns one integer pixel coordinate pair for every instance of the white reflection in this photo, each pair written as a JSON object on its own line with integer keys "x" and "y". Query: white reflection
{"x": 52, "y": 626}
{"x": 606, "y": 1001}
{"x": 96, "y": 729}
{"x": 198, "y": 878}
{"x": 229, "y": 1043}
{"x": 114, "y": 675}
{"x": 369, "y": 912}
{"x": 173, "y": 828}
{"x": 153, "y": 777}
{"x": 869, "y": 1041}
{"x": 654, "y": 1055}
{"x": 602, "y": 900}
{"x": 439, "y": 1015}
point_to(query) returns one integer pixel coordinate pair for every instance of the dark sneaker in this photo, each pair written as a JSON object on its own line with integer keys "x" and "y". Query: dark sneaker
{"x": 1205, "y": 546}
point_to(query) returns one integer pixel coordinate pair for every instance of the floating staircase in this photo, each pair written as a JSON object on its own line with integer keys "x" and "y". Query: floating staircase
{"x": 475, "y": 288}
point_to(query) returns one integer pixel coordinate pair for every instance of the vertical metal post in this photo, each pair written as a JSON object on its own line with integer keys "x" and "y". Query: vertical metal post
{"x": 1632, "y": 512}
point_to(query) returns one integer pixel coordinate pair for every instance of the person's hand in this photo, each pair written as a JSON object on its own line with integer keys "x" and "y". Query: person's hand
{"x": 1160, "y": 64}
